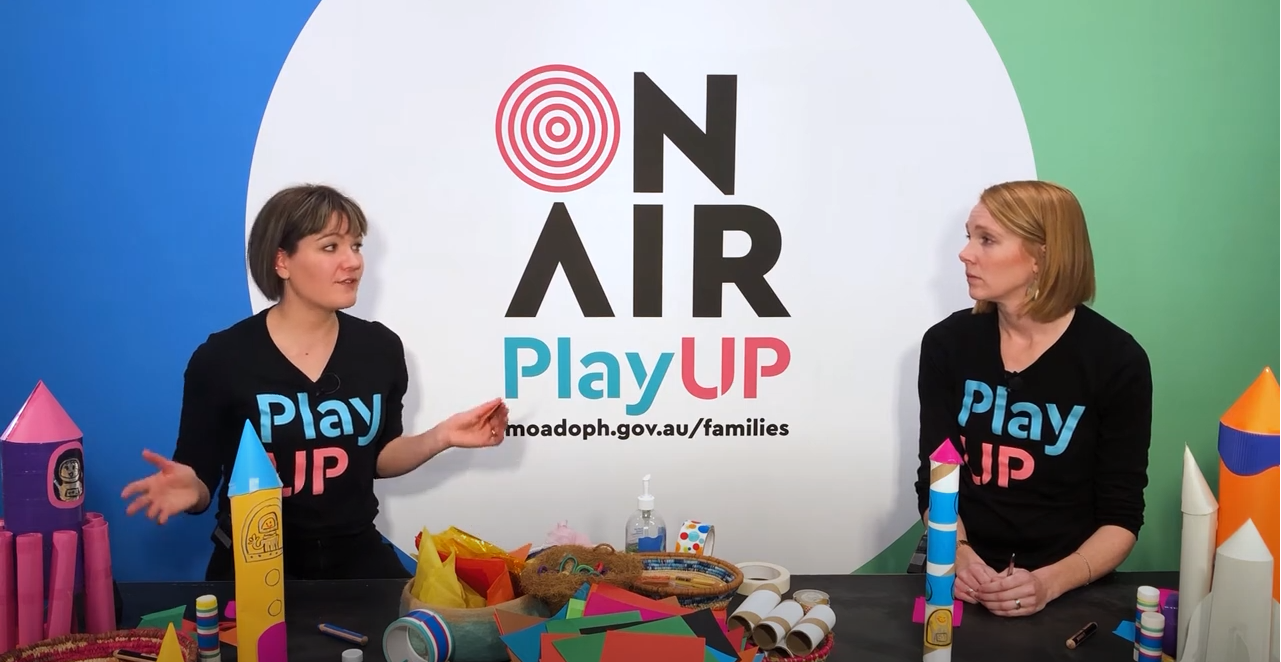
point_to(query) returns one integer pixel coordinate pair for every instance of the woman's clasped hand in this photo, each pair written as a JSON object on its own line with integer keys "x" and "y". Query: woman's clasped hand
{"x": 1017, "y": 592}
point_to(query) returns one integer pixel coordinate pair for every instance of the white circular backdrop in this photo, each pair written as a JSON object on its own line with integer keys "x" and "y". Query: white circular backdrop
{"x": 865, "y": 129}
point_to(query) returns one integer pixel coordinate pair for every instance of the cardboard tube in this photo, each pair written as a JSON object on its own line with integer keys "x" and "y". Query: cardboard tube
{"x": 809, "y": 632}
{"x": 8, "y": 595}
{"x": 100, "y": 600}
{"x": 29, "y": 548}
{"x": 62, "y": 582}
{"x": 769, "y": 633}
{"x": 757, "y": 606}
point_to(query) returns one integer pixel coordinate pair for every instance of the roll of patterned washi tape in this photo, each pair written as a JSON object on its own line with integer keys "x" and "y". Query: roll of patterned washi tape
{"x": 695, "y": 537}
{"x": 419, "y": 636}
{"x": 207, "y": 639}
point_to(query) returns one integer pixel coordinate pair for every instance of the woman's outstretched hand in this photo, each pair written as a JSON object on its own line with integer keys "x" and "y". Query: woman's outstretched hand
{"x": 173, "y": 489}
{"x": 478, "y": 427}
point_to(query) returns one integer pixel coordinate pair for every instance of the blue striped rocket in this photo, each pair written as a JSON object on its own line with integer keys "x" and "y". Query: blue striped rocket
{"x": 940, "y": 551}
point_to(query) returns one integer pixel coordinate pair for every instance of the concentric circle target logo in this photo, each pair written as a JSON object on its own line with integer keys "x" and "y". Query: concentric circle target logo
{"x": 557, "y": 128}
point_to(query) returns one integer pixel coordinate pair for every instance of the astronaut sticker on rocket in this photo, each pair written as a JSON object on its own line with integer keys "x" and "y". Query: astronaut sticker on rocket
{"x": 66, "y": 476}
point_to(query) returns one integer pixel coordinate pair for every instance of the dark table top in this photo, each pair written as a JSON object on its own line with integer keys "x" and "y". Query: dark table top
{"x": 873, "y": 615}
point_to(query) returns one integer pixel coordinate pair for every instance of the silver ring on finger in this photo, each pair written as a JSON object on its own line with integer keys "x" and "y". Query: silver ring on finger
{"x": 971, "y": 592}
{"x": 1018, "y": 603}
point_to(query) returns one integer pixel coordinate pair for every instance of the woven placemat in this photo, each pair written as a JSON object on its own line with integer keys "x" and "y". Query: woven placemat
{"x": 99, "y": 647}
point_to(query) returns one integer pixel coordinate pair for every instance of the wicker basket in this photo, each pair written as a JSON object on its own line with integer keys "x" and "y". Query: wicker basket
{"x": 558, "y": 572}
{"x": 99, "y": 647}
{"x": 696, "y": 581}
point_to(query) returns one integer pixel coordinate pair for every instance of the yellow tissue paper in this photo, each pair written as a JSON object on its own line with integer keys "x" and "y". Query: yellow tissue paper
{"x": 465, "y": 545}
{"x": 435, "y": 582}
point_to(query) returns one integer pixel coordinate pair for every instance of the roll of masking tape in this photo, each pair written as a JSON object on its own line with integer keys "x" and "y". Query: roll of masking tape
{"x": 695, "y": 537}
{"x": 419, "y": 636}
{"x": 758, "y": 574}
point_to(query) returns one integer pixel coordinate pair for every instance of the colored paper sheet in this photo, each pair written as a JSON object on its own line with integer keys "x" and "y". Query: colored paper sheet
{"x": 673, "y": 625}
{"x": 1125, "y": 630}
{"x": 703, "y": 624}
{"x": 748, "y": 654}
{"x": 510, "y": 621}
{"x": 525, "y": 645}
{"x": 547, "y": 649}
{"x": 488, "y": 577}
{"x": 918, "y": 611}
{"x": 599, "y": 604}
{"x": 575, "y": 608}
{"x": 577, "y": 625}
{"x": 671, "y": 608}
{"x": 629, "y": 646}
{"x": 581, "y": 649}
{"x": 738, "y": 637}
{"x": 163, "y": 619}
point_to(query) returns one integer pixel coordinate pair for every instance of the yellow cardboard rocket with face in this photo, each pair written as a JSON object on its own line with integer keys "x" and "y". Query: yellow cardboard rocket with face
{"x": 257, "y": 539}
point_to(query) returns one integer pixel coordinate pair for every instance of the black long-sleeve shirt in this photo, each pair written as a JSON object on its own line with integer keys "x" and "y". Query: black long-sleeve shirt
{"x": 324, "y": 436}
{"x": 1052, "y": 452}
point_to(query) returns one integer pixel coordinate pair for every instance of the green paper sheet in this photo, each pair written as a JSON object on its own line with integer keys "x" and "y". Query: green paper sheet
{"x": 577, "y": 625}
{"x": 576, "y": 608}
{"x": 586, "y": 648}
{"x": 162, "y": 619}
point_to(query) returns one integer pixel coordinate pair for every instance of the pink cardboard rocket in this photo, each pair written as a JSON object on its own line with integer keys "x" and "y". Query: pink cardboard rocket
{"x": 42, "y": 459}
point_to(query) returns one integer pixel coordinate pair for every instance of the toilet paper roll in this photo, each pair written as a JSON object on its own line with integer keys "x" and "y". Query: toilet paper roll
{"x": 769, "y": 633}
{"x": 809, "y": 632}
{"x": 754, "y": 609}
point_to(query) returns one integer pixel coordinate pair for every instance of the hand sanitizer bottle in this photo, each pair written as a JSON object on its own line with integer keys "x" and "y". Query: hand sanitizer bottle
{"x": 646, "y": 531}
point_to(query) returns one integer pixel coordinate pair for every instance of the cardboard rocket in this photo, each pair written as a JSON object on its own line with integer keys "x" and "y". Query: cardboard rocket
{"x": 1237, "y": 619}
{"x": 1197, "y": 546}
{"x": 42, "y": 459}
{"x": 258, "y": 542}
{"x": 1249, "y": 455}
{"x": 940, "y": 552}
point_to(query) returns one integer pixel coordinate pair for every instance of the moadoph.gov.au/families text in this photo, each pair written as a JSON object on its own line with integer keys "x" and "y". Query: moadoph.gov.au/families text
{"x": 704, "y": 427}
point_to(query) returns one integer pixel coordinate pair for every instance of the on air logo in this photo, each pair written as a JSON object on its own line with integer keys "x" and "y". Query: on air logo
{"x": 557, "y": 129}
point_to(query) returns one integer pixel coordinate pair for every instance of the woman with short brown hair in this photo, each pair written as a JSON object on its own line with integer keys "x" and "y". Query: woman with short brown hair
{"x": 1049, "y": 403}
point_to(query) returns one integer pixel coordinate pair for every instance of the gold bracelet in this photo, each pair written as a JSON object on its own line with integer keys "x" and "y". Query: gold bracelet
{"x": 1089, "y": 570}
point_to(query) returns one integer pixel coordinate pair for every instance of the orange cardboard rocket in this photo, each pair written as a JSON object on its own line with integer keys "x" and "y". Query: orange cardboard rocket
{"x": 1249, "y": 459}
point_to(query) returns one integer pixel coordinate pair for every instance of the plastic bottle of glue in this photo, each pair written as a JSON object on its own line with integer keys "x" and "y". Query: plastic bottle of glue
{"x": 646, "y": 531}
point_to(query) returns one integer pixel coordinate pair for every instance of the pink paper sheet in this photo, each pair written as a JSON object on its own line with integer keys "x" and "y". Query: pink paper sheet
{"x": 100, "y": 600}
{"x": 918, "y": 611}
{"x": 600, "y": 605}
{"x": 30, "y": 560}
{"x": 8, "y": 595}
{"x": 62, "y": 583}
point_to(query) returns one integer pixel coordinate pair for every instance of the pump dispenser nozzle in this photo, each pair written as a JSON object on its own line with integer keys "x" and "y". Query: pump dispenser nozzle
{"x": 646, "y": 500}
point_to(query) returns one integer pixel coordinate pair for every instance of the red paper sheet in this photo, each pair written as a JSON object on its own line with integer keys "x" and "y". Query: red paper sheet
{"x": 488, "y": 577}
{"x": 624, "y": 646}
{"x": 547, "y": 650}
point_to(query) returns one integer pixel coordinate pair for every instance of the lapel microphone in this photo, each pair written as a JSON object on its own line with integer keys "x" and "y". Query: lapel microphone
{"x": 328, "y": 383}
